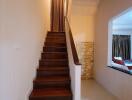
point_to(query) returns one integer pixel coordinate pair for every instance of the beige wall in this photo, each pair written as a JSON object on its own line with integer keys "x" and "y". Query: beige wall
{"x": 116, "y": 82}
{"x": 23, "y": 27}
{"x": 82, "y": 20}
{"x": 82, "y": 28}
{"x": 69, "y": 10}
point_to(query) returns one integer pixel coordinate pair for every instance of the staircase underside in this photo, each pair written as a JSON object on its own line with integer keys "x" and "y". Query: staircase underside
{"x": 53, "y": 81}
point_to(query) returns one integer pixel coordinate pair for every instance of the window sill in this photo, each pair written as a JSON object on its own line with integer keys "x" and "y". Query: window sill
{"x": 121, "y": 70}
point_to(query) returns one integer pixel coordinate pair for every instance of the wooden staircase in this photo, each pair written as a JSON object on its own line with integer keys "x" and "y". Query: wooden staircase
{"x": 53, "y": 80}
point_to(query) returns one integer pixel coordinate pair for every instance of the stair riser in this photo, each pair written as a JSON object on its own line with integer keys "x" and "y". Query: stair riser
{"x": 58, "y": 40}
{"x": 54, "y": 66}
{"x": 54, "y": 56}
{"x": 52, "y": 85}
{"x": 42, "y": 63}
{"x": 56, "y": 36}
{"x": 55, "y": 44}
{"x": 53, "y": 98}
{"x": 56, "y": 33}
{"x": 61, "y": 33}
{"x": 52, "y": 73}
{"x": 49, "y": 49}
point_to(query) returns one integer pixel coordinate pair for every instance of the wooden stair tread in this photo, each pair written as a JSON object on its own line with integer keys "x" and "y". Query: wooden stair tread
{"x": 56, "y": 52}
{"x": 43, "y": 66}
{"x": 52, "y": 79}
{"x": 63, "y": 42}
{"x": 53, "y": 68}
{"x": 51, "y": 92}
{"x": 53, "y": 59}
{"x": 56, "y": 42}
{"x": 51, "y": 32}
{"x": 45, "y": 73}
{"x": 56, "y": 34}
{"x": 56, "y": 38}
{"x": 54, "y": 47}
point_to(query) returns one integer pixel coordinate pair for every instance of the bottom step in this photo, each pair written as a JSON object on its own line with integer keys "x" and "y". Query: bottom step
{"x": 51, "y": 94}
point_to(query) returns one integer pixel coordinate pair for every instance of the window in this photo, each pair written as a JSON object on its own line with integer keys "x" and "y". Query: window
{"x": 120, "y": 42}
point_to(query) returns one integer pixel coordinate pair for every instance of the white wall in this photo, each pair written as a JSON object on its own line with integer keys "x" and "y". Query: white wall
{"x": 75, "y": 70}
{"x": 23, "y": 26}
{"x": 116, "y": 82}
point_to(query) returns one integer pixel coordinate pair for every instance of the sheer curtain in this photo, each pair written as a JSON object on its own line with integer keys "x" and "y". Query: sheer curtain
{"x": 57, "y": 15}
{"x": 121, "y": 46}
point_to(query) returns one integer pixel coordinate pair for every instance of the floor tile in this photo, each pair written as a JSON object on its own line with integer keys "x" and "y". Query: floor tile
{"x": 91, "y": 90}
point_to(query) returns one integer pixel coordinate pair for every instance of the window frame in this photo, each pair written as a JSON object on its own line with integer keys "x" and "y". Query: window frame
{"x": 110, "y": 37}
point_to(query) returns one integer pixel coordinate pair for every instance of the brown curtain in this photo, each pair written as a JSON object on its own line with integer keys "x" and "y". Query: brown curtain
{"x": 57, "y": 15}
{"x": 121, "y": 46}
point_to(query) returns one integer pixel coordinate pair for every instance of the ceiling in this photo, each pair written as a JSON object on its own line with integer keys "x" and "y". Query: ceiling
{"x": 124, "y": 21}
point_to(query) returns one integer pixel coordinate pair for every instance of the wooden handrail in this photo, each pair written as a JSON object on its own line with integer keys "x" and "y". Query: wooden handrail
{"x": 73, "y": 47}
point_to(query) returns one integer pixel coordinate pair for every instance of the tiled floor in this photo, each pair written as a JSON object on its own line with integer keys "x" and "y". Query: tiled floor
{"x": 93, "y": 91}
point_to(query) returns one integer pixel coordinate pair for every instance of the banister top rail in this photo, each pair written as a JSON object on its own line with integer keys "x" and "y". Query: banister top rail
{"x": 74, "y": 51}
